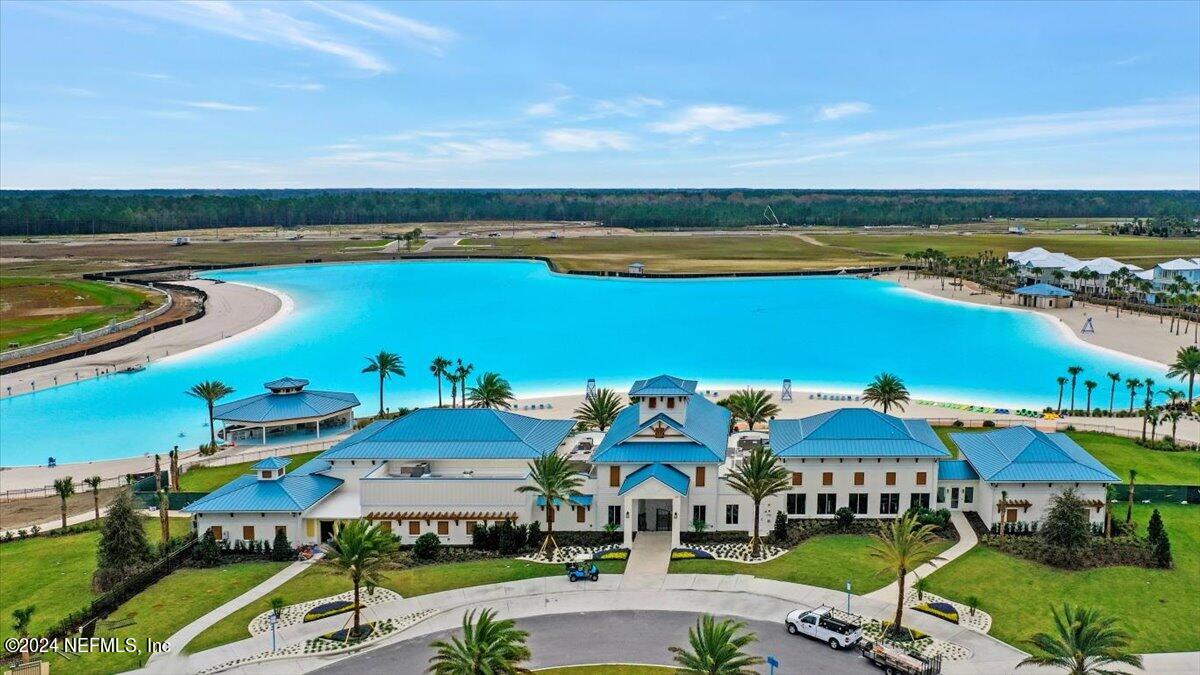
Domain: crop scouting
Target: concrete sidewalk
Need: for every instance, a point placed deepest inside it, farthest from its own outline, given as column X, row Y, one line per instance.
column 966, row 542
column 649, row 560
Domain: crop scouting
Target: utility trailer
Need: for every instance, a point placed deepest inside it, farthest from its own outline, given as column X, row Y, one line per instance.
column 896, row 661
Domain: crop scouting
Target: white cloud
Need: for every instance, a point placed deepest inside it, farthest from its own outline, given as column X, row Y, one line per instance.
column 542, row 109
column 784, row 161
column 78, row 92
column 631, row 106
column 837, row 111
column 715, row 118
column 575, row 140
column 173, row 114
column 153, row 76
column 298, row 86
column 415, row 33
column 220, row 105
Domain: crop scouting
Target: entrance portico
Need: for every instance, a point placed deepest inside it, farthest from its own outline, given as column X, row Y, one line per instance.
column 652, row 499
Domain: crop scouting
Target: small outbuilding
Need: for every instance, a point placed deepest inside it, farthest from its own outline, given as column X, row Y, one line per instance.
column 288, row 412
column 1045, row 296
column 637, row 268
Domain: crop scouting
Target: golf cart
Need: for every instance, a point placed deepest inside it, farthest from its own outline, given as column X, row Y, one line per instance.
column 582, row 568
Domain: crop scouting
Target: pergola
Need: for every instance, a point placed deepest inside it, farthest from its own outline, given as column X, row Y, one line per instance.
column 286, row 405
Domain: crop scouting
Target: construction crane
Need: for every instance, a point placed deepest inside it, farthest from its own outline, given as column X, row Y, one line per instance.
column 769, row 216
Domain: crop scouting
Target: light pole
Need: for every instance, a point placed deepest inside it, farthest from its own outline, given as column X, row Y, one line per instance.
column 848, row 596
column 272, row 619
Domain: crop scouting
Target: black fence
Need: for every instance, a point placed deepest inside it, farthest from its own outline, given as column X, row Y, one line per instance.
column 1159, row 494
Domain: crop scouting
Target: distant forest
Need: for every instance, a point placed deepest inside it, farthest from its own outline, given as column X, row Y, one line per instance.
column 43, row 212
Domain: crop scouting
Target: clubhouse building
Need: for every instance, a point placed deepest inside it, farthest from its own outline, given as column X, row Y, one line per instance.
column 662, row 466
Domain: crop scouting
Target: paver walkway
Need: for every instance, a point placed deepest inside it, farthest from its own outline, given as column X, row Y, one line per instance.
column 966, row 542
column 648, row 561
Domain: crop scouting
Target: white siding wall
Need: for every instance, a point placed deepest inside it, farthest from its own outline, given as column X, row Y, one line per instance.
column 1039, row 495
column 874, row 472
column 264, row 525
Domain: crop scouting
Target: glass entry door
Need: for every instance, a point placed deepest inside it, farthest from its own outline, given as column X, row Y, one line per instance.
column 954, row 498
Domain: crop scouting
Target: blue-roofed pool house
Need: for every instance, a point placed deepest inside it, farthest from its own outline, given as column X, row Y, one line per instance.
column 1046, row 296
column 288, row 412
column 662, row 467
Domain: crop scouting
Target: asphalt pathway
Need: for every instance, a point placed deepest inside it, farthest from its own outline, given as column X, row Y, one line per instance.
column 620, row 636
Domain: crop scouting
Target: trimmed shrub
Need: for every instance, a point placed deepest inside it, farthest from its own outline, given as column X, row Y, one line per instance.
column 1066, row 524
column 1162, row 552
column 282, row 550
column 844, row 517
column 779, row 532
column 426, row 546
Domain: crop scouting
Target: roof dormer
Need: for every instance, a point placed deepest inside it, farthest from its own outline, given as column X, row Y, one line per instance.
column 286, row 385
column 272, row 468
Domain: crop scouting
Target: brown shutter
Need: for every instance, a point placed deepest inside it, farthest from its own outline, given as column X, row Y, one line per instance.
column 920, row 478
column 414, row 527
column 827, row 478
column 614, row 476
column 217, row 532
column 797, row 478
column 860, row 478
column 699, row 476
column 890, row 478
column 248, row 532
column 580, row 514
column 470, row 527
column 385, row 526
column 443, row 527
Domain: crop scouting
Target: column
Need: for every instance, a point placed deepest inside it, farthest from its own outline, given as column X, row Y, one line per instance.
column 675, row 504
column 264, row 434
column 627, row 508
column 318, row 428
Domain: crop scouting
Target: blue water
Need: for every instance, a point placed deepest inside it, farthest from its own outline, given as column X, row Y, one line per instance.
column 550, row 333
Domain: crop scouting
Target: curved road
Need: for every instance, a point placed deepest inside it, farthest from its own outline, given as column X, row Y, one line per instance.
column 607, row 637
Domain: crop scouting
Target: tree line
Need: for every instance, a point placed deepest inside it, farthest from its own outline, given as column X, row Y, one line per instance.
column 47, row 212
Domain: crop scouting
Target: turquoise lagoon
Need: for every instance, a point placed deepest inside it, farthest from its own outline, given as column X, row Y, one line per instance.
column 548, row 332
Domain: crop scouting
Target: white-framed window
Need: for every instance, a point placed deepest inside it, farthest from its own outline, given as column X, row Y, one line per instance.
column 731, row 514
column 699, row 513
column 968, row 495
column 614, row 514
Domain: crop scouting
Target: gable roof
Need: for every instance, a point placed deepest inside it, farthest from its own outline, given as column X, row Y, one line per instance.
column 1180, row 265
column 273, row 407
column 455, row 433
column 1044, row 290
column 705, row 429
column 291, row 493
column 1025, row 454
column 855, row 432
column 663, row 385
column 663, row 473
column 1102, row 266
column 271, row 463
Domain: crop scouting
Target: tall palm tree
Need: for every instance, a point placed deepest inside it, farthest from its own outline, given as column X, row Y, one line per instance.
column 386, row 364
column 1174, row 415
column 1132, row 484
column 752, row 406
column 491, row 391
column 900, row 547
column 94, row 483
column 64, row 487
column 1112, row 394
column 210, row 391
column 164, row 515
column 760, row 475
column 888, row 391
column 600, row 410
column 1000, row 506
column 440, row 367
column 1089, row 385
column 462, row 372
column 1062, row 382
column 360, row 549
column 1074, row 372
column 1186, row 366
column 553, row 478
column 1132, row 384
column 717, row 649
column 21, row 618
column 487, row 647
column 1084, row 642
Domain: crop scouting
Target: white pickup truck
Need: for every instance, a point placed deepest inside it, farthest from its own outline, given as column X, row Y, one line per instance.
column 837, row 629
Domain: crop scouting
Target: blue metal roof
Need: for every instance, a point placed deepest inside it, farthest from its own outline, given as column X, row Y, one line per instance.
column 663, row 473
column 282, row 407
column 705, row 428
column 582, row 500
column 291, row 493
column 956, row 469
column 663, row 385
column 1024, row 454
column 455, row 433
column 271, row 463
column 286, row 383
column 1044, row 290
column 855, row 432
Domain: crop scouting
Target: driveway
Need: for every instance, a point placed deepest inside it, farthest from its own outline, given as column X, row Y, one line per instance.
column 606, row 637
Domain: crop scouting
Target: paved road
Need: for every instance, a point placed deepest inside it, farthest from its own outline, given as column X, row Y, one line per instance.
column 605, row 637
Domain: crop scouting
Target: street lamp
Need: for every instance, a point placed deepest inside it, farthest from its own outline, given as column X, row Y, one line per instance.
column 848, row 596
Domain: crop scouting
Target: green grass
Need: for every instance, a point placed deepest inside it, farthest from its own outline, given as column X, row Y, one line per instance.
column 38, row 309
column 320, row 582
column 826, row 561
column 162, row 609
column 1145, row 251
column 607, row 669
column 209, row 478
column 54, row 574
column 1158, row 607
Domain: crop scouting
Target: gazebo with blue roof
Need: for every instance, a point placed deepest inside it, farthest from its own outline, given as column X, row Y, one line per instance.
column 1045, row 295
column 287, row 412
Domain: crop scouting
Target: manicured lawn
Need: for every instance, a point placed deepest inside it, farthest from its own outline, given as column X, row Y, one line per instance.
column 320, row 582
column 1154, row 467
column 38, row 309
column 209, row 478
column 54, row 574
column 1144, row 251
column 826, row 561
column 608, row 669
column 1159, row 607
column 167, row 606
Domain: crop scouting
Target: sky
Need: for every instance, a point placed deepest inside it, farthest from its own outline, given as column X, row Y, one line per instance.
column 357, row 94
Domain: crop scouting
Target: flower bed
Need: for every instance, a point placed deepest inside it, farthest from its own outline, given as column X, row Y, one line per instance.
column 348, row 636
column 1098, row 552
column 292, row 615
column 917, row 643
column 975, row 619
column 941, row 610
column 690, row 553
column 328, row 609
column 734, row 552
column 565, row 554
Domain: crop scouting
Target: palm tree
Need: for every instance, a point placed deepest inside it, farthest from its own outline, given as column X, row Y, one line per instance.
column 1132, row 484
column 1186, row 366
column 440, row 367
column 1153, row 416
column 900, row 547
column 554, row 479
column 1112, row 394
column 462, row 372
column 1132, row 384
column 94, row 483
column 360, row 550
column 491, row 391
column 1074, row 372
column 1062, row 382
column 64, row 488
column 888, row 391
column 164, row 515
column 760, row 475
column 210, row 391
column 1174, row 415
column 1089, row 385
column 1000, row 506
column 386, row 364
column 600, row 410
column 487, row 647
column 21, row 618
column 717, row 648
column 752, row 406
column 1083, row 643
